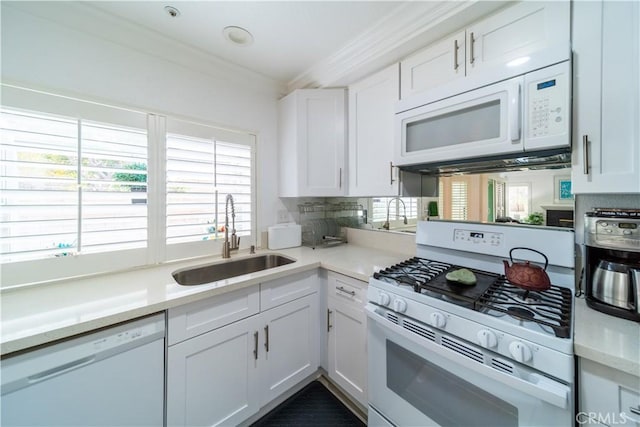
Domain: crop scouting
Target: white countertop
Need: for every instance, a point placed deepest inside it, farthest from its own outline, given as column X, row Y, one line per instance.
column 607, row 340
column 41, row 314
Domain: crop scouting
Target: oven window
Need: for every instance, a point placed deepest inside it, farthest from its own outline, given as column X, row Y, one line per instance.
column 445, row 398
column 477, row 123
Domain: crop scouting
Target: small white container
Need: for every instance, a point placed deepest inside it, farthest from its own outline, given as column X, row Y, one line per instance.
column 283, row 236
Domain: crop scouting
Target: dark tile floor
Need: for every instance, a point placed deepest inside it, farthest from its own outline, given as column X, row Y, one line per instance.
column 314, row 405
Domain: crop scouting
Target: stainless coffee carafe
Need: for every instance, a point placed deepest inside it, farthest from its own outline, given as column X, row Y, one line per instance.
column 612, row 264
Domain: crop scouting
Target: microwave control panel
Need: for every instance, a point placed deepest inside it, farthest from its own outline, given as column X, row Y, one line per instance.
column 548, row 109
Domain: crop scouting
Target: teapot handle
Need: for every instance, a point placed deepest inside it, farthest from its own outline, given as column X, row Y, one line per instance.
column 546, row 260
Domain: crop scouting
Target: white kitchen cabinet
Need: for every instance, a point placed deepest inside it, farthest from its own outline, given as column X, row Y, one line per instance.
column 347, row 335
column 312, row 143
column 441, row 62
column 290, row 343
column 514, row 40
column 606, row 109
column 371, row 133
column 227, row 360
column 607, row 396
column 212, row 378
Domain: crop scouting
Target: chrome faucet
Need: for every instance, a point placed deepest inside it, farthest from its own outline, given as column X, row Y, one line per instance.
column 404, row 207
column 234, row 244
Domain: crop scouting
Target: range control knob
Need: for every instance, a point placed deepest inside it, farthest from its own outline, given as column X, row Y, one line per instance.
column 399, row 305
column 384, row 299
column 487, row 338
column 520, row 351
column 438, row 320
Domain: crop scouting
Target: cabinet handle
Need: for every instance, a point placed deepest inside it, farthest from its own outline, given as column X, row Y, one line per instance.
column 266, row 339
column 329, row 319
column 634, row 410
column 391, row 172
column 455, row 56
column 342, row 289
column 585, row 154
column 471, row 40
column 255, row 345
column 340, row 178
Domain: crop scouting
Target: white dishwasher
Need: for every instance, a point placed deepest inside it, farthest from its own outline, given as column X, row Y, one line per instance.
column 113, row 377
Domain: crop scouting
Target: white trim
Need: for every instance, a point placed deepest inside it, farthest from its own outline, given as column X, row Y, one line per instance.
column 396, row 35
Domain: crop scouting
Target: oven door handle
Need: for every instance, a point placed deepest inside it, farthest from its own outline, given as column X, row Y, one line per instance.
column 536, row 385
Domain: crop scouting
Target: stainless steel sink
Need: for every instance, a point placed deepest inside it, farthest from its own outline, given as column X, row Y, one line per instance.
column 226, row 269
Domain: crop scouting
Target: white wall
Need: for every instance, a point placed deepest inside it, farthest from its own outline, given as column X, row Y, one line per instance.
column 70, row 51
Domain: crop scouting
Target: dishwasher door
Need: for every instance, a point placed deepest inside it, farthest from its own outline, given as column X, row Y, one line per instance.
column 114, row 377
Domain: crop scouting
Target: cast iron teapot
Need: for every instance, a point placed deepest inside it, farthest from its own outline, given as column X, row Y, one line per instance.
column 526, row 275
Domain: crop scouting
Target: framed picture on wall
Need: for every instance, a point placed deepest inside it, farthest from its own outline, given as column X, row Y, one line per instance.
column 562, row 189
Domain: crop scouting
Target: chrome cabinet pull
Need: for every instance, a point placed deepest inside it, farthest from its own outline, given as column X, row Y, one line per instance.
column 471, row 40
column 634, row 410
column 266, row 339
column 342, row 289
column 455, row 56
column 340, row 184
column 329, row 325
column 255, row 345
column 391, row 172
column 585, row 154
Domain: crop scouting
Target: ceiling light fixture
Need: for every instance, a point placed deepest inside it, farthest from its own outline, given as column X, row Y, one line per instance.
column 238, row 36
column 172, row 11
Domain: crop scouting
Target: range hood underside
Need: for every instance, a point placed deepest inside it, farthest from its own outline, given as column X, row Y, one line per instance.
column 551, row 159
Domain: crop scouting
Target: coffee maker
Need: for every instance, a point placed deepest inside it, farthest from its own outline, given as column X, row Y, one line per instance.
column 612, row 261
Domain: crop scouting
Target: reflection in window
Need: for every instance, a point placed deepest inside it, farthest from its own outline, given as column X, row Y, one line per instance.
column 519, row 198
column 396, row 210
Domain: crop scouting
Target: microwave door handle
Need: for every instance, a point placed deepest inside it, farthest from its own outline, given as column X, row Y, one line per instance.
column 514, row 112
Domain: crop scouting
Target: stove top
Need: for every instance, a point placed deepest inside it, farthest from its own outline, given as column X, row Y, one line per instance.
column 546, row 311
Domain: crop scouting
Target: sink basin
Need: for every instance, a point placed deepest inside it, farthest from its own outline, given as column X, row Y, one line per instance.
column 226, row 269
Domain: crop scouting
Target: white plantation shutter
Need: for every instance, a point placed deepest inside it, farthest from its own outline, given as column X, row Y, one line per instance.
column 191, row 192
column 89, row 188
column 38, row 180
column 204, row 165
column 54, row 205
column 114, row 188
column 233, row 176
column 380, row 204
column 459, row 200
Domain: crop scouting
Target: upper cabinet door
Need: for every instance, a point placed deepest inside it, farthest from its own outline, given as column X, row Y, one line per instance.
column 515, row 40
column 371, row 118
column 312, row 143
column 606, row 110
column 535, row 32
column 439, row 63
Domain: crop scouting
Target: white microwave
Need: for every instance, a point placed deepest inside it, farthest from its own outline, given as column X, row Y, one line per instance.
column 528, row 113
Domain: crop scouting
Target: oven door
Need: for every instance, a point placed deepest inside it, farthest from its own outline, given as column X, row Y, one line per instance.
column 482, row 122
column 414, row 381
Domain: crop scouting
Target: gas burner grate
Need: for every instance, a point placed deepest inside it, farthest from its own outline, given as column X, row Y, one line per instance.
column 550, row 308
column 413, row 272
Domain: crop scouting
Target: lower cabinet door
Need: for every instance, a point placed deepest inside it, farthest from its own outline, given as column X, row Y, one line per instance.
column 348, row 348
column 211, row 378
column 290, row 345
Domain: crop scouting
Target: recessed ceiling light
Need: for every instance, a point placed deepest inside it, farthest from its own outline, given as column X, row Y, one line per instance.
column 238, row 36
column 172, row 11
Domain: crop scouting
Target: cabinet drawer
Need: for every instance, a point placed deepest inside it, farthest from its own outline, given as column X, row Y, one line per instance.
column 280, row 291
column 190, row 320
column 344, row 288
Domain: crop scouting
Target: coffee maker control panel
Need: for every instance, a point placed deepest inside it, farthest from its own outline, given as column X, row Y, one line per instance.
column 613, row 229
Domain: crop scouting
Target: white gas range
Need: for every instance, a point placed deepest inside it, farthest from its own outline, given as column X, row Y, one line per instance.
column 489, row 354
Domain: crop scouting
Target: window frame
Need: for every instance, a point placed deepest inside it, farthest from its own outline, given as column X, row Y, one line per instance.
column 21, row 273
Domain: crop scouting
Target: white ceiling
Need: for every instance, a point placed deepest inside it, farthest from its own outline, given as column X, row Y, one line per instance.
column 289, row 37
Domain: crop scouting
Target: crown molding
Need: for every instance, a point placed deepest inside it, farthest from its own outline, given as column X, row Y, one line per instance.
column 409, row 27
